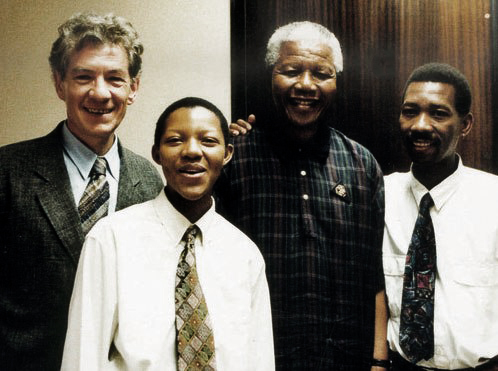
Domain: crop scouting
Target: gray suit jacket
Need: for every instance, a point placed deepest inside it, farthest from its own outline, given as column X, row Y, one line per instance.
column 40, row 243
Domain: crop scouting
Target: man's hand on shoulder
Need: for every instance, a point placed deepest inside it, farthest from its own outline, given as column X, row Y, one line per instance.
column 242, row 127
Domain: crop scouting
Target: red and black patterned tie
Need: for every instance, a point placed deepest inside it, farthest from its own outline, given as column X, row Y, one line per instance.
column 416, row 330
column 94, row 203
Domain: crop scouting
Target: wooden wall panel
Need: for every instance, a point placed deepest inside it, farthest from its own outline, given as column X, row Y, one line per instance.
column 366, row 31
column 455, row 32
column 382, row 40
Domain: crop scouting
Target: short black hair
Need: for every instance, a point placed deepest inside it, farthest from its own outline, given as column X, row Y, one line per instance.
column 444, row 73
column 190, row 102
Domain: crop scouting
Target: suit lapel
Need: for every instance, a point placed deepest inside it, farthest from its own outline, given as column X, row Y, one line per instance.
column 55, row 195
column 128, row 180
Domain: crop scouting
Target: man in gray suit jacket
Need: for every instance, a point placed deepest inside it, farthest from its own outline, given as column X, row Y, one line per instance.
column 96, row 65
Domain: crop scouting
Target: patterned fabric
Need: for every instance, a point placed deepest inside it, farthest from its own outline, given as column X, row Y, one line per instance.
column 416, row 331
column 195, row 336
column 316, row 213
column 94, row 203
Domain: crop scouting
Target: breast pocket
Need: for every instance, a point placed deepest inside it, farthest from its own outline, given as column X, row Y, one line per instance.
column 477, row 289
column 476, row 275
column 394, row 270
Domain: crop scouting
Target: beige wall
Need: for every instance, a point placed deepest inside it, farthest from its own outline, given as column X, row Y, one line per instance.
column 187, row 52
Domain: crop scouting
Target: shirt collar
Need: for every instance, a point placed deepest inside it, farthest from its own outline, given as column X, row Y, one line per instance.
column 440, row 193
column 84, row 158
column 176, row 224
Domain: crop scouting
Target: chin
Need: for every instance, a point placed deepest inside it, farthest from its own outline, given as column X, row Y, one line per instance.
column 303, row 120
column 102, row 128
column 195, row 196
column 422, row 156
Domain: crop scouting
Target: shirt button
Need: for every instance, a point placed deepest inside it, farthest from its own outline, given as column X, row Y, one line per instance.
column 305, row 197
column 303, row 173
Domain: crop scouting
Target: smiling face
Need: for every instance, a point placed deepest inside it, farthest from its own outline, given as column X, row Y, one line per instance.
column 304, row 82
column 430, row 124
column 192, row 152
column 96, row 89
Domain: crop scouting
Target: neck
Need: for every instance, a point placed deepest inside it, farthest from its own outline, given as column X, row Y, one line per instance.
column 100, row 147
column 192, row 210
column 430, row 175
column 301, row 135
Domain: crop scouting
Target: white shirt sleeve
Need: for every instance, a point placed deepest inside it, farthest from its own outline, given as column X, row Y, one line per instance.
column 92, row 313
column 261, row 324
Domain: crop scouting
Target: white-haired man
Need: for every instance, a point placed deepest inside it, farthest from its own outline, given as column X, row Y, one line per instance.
column 313, row 201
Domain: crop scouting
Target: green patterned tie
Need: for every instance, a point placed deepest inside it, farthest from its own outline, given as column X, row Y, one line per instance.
column 195, row 347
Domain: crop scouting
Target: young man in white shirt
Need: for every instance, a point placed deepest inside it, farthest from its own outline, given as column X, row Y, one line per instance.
column 463, row 334
column 123, row 313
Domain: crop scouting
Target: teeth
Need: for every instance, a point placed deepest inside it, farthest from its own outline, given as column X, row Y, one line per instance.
column 191, row 171
column 99, row 111
column 303, row 102
column 422, row 143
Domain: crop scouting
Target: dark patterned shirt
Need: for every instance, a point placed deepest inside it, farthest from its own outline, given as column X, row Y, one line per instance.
column 317, row 215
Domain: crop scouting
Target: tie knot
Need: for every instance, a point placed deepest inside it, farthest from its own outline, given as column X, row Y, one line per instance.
column 99, row 166
column 190, row 234
column 426, row 203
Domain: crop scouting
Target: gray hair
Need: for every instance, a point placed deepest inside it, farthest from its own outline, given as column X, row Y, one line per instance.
column 84, row 29
column 298, row 31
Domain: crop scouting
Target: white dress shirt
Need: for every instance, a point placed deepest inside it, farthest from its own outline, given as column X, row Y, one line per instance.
column 465, row 218
column 79, row 160
column 124, row 293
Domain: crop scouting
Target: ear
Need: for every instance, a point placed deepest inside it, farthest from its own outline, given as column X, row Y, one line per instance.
column 155, row 155
column 59, row 86
column 228, row 154
column 135, row 83
column 467, row 123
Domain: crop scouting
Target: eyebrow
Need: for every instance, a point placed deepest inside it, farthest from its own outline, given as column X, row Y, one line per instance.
column 79, row 70
column 317, row 67
column 89, row 70
column 431, row 105
column 444, row 106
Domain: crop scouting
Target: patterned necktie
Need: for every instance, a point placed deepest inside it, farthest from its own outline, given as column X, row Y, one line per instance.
column 94, row 203
column 416, row 330
column 194, row 333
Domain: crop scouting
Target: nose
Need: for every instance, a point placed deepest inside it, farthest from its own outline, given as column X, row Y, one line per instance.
column 192, row 149
column 306, row 81
column 422, row 122
column 100, row 89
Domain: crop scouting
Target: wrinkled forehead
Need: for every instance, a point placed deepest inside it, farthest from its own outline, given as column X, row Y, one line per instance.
column 312, row 50
column 96, row 46
column 430, row 92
